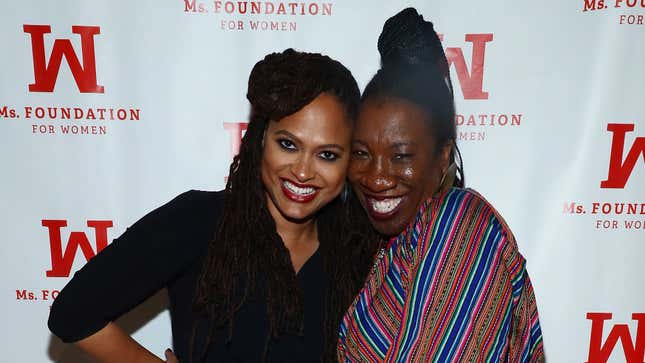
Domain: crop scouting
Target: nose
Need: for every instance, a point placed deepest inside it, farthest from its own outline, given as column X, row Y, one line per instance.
column 302, row 169
column 377, row 177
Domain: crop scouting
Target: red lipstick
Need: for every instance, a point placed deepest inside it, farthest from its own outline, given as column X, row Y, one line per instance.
column 299, row 198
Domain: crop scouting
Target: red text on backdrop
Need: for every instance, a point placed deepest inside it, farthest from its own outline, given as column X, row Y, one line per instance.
column 46, row 73
column 62, row 259
column 617, row 214
column 600, row 352
column 620, row 170
column 81, row 119
column 630, row 18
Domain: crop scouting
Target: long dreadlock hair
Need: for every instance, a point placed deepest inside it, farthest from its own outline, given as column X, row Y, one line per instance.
column 246, row 248
column 414, row 67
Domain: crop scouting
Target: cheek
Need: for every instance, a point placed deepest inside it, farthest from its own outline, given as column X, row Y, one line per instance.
column 270, row 165
column 430, row 178
column 265, row 165
column 354, row 171
column 412, row 175
column 265, row 172
column 274, row 159
column 435, row 170
column 408, row 172
column 267, row 156
column 334, row 174
column 419, row 172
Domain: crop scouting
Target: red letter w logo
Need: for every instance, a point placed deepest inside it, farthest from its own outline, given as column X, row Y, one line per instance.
column 62, row 261
column 472, row 83
column 45, row 74
column 619, row 170
column 599, row 353
column 236, row 131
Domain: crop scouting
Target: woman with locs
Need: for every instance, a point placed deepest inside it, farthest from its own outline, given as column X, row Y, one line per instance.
column 448, row 283
column 261, row 271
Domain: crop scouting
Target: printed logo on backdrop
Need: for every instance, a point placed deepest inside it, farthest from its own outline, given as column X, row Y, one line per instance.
column 627, row 12
column 469, row 69
column 259, row 16
column 48, row 56
column 619, row 342
column 64, row 247
column 467, row 62
column 235, row 132
column 620, row 170
column 626, row 158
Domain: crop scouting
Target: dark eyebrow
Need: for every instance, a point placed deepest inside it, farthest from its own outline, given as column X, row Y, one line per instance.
column 393, row 146
column 294, row 137
column 286, row 133
column 331, row 146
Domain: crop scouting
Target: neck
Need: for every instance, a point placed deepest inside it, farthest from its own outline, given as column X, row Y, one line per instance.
column 294, row 233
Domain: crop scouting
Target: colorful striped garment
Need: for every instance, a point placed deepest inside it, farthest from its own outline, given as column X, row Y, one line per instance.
column 451, row 288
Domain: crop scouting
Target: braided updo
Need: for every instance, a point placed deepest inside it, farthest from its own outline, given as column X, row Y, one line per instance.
column 283, row 83
column 414, row 68
column 246, row 251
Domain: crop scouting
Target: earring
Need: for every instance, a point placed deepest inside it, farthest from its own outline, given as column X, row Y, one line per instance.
column 448, row 178
column 443, row 179
column 264, row 135
column 344, row 194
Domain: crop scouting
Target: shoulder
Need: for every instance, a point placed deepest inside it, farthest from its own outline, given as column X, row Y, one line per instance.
column 465, row 209
column 189, row 213
column 198, row 199
column 466, row 199
column 467, row 205
column 194, row 203
column 476, row 217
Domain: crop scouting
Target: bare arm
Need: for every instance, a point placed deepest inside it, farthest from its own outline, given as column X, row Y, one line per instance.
column 113, row 345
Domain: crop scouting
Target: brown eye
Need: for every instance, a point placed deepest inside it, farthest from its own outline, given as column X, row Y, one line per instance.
column 359, row 154
column 328, row 156
column 287, row 144
column 403, row 157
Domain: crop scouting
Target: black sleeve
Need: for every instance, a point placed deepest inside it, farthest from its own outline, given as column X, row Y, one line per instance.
column 144, row 259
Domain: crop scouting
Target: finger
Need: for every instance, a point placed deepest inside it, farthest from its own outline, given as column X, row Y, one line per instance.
column 170, row 356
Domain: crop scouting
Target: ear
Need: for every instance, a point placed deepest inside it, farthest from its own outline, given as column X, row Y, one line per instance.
column 444, row 156
column 447, row 166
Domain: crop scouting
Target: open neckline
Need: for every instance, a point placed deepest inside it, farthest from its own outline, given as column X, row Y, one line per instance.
column 307, row 262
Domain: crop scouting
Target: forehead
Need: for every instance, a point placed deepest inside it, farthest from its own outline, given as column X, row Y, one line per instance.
column 322, row 120
column 392, row 119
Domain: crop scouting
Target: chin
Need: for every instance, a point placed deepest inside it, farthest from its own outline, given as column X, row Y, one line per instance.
column 388, row 228
column 297, row 212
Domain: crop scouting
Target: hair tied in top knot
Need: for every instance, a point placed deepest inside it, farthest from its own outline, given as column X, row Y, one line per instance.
column 407, row 39
column 283, row 83
column 272, row 81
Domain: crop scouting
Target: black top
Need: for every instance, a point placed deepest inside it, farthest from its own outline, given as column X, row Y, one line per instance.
column 165, row 249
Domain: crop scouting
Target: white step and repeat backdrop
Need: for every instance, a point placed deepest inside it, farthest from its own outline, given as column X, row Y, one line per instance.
column 108, row 109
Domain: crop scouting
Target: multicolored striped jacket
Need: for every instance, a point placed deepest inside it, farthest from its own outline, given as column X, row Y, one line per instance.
column 452, row 287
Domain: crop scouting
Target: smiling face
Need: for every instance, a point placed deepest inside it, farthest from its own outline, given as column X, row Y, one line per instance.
column 395, row 163
column 305, row 158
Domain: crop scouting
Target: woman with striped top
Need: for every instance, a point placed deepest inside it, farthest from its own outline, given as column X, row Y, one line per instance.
column 448, row 284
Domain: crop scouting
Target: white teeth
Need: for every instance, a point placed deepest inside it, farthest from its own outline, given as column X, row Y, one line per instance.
column 386, row 205
column 297, row 190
